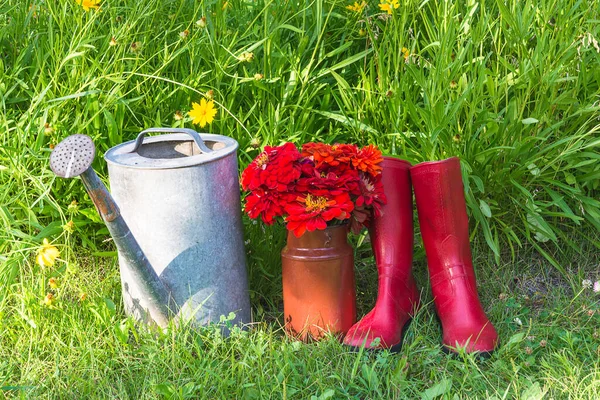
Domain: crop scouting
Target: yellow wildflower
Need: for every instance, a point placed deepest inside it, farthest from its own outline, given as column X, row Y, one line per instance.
column 47, row 254
column 356, row 7
column 89, row 4
column 32, row 8
column 53, row 283
column 389, row 5
column 405, row 53
column 203, row 113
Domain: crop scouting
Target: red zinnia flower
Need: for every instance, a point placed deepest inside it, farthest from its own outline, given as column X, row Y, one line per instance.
column 325, row 155
column 367, row 160
column 266, row 204
column 331, row 183
column 276, row 167
column 368, row 203
column 371, row 194
column 310, row 212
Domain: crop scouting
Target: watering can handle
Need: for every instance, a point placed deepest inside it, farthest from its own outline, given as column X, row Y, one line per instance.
column 140, row 139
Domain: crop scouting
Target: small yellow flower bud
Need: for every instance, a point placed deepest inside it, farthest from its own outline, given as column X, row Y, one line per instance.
column 69, row 227
column 113, row 42
column 258, row 77
column 210, row 94
column 53, row 283
column 48, row 300
column 48, row 129
column 73, row 208
column 246, row 56
column 136, row 47
column 201, row 22
column 178, row 116
column 184, row 34
column 255, row 143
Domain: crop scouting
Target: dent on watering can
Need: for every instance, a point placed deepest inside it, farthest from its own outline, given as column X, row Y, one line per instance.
column 179, row 194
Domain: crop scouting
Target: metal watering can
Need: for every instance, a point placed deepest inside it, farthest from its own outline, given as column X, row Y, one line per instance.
column 177, row 226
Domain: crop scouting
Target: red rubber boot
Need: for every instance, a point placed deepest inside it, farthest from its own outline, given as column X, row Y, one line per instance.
column 440, row 199
column 392, row 242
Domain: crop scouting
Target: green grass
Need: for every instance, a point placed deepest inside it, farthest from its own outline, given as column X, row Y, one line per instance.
column 83, row 349
column 512, row 88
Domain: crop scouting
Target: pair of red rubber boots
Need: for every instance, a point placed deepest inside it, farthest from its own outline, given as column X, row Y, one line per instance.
column 441, row 207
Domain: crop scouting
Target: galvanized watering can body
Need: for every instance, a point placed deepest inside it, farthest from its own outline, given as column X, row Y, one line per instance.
column 179, row 195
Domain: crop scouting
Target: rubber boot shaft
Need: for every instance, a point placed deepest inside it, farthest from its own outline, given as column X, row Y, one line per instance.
column 391, row 237
column 439, row 195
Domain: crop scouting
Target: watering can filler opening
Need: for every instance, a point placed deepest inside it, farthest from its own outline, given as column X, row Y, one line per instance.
column 176, row 221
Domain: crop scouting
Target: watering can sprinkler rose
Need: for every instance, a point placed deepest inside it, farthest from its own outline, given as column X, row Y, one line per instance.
column 177, row 226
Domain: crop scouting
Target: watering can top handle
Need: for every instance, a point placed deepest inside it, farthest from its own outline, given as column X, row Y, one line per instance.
column 140, row 139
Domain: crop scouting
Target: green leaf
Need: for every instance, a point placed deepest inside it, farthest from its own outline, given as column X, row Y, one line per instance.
column 346, row 62
column 485, row 208
column 535, row 171
column 437, row 390
column 347, row 121
column 74, row 96
column 560, row 202
column 516, row 338
column 533, row 392
column 110, row 305
column 478, row 183
column 529, row 121
column 570, row 178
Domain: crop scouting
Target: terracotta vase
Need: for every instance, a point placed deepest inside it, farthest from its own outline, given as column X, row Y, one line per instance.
column 319, row 294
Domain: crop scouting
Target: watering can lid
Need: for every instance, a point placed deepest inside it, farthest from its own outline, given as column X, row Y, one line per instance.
column 181, row 148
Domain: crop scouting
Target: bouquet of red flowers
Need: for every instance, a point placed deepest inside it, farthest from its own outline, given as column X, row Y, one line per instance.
column 324, row 184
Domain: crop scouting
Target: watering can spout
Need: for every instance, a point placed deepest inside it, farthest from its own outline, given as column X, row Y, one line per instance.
column 73, row 157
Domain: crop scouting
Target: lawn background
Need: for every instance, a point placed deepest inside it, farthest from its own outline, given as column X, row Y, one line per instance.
column 512, row 88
